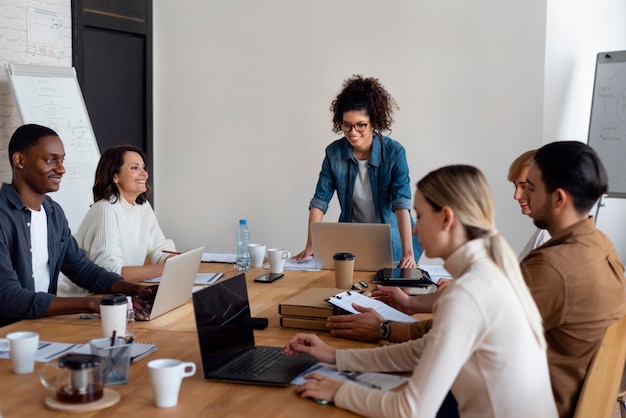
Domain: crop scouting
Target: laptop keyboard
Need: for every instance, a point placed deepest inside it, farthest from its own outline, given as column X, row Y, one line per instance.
column 255, row 362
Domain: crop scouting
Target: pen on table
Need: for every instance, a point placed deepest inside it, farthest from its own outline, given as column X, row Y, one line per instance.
column 172, row 252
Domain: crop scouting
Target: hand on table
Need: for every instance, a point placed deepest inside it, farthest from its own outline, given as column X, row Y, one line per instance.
column 362, row 327
column 393, row 296
column 319, row 387
column 407, row 262
column 312, row 345
column 307, row 252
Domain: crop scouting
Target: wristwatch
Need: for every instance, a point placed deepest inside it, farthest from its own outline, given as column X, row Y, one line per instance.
column 385, row 330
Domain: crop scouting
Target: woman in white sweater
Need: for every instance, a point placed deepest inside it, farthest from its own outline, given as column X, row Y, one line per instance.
column 486, row 344
column 120, row 229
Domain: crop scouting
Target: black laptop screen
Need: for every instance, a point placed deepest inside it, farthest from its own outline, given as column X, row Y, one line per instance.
column 223, row 321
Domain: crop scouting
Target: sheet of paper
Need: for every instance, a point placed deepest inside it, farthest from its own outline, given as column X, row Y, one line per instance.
column 219, row 258
column 201, row 278
column 373, row 380
column 308, row 264
column 46, row 351
column 436, row 272
column 50, row 350
column 345, row 300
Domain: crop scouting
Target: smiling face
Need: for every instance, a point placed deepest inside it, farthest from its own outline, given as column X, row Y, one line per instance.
column 539, row 201
column 132, row 178
column 358, row 119
column 520, row 184
column 41, row 166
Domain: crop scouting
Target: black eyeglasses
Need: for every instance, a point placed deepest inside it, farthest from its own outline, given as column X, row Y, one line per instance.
column 359, row 127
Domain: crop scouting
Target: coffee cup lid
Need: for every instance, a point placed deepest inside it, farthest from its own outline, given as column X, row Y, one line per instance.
column 116, row 299
column 343, row 256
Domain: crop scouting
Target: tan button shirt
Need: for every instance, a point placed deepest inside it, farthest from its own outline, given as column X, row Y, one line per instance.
column 577, row 281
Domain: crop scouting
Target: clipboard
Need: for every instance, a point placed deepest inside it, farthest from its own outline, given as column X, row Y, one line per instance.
column 344, row 300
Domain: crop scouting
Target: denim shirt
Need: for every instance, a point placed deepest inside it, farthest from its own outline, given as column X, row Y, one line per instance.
column 389, row 179
column 18, row 298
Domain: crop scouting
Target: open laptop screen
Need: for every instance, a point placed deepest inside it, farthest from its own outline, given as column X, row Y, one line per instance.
column 223, row 321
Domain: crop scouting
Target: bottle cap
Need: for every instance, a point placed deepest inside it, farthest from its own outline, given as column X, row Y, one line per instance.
column 242, row 221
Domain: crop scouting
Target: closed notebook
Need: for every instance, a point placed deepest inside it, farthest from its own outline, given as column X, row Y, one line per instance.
column 298, row 322
column 311, row 303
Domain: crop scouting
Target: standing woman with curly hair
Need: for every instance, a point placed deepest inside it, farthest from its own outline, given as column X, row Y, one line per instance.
column 369, row 171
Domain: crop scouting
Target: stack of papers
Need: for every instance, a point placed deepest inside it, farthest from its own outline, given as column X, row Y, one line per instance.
column 345, row 300
column 50, row 350
column 308, row 264
column 372, row 380
column 219, row 258
column 201, row 278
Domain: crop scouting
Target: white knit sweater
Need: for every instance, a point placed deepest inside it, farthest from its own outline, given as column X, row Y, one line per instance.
column 119, row 234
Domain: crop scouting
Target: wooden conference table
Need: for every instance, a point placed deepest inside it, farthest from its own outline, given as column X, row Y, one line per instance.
column 175, row 336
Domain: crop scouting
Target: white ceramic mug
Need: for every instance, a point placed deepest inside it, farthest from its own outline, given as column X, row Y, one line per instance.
column 257, row 254
column 277, row 257
column 23, row 347
column 166, row 376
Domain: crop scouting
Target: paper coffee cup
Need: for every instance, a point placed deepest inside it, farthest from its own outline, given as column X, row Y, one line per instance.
column 344, row 270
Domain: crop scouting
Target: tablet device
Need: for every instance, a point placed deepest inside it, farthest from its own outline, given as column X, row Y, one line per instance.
column 403, row 277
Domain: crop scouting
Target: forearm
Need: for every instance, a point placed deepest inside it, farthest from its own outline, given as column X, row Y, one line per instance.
column 421, row 303
column 406, row 331
column 404, row 227
column 63, row 306
column 139, row 273
column 315, row 215
column 126, row 287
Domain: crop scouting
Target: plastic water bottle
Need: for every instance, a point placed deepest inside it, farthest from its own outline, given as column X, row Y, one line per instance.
column 243, row 239
column 130, row 317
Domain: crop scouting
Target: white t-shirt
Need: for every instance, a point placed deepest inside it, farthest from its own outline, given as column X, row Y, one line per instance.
column 538, row 238
column 362, row 201
column 39, row 249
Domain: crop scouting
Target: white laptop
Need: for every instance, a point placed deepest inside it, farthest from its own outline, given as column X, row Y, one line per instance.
column 177, row 280
column 370, row 244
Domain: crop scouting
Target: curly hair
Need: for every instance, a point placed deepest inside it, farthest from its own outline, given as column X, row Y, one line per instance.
column 110, row 163
column 368, row 95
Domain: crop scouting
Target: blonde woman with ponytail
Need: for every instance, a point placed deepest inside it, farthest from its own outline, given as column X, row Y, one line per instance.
column 486, row 344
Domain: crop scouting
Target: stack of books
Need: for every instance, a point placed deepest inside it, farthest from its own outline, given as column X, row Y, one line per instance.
column 309, row 309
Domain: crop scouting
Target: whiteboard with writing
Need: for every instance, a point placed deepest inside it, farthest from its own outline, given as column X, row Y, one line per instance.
column 607, row 126
column 51, row 96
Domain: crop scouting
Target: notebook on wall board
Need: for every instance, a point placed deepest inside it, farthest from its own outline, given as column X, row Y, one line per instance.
column 370, row 244
column 226, row 337
column 177, row 280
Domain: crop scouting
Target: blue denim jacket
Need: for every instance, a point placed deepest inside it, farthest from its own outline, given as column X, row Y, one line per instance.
column 18, row 299
column 389, row 179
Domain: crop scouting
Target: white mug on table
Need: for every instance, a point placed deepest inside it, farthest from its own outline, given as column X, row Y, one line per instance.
column 23, row 347
column 166, row 376
column 277, row 257
column 257, row 254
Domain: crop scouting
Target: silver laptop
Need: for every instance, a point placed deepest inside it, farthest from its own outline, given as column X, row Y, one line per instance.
column 177, row 280
column 370, row 244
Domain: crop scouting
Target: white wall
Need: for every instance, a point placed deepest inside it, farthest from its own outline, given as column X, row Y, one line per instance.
column 576, row 31
column 13, row 44
column 242, row 91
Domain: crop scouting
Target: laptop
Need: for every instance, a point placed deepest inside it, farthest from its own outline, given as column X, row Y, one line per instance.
column 370, row 244
column 177, row 280
column 227, row 347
